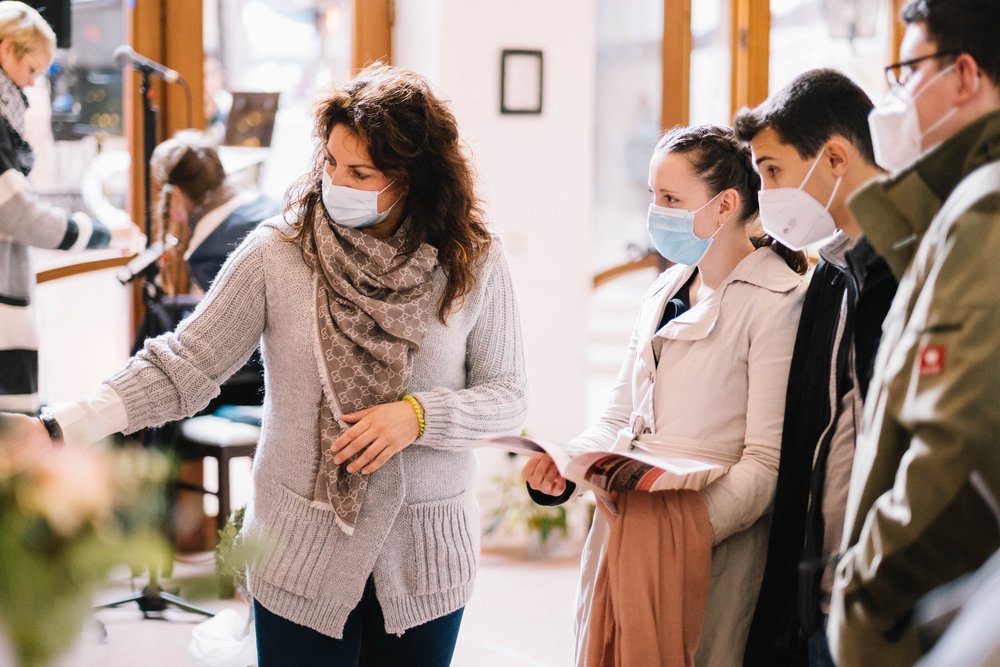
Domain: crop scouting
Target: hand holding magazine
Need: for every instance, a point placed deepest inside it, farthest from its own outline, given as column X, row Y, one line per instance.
column 603, row 472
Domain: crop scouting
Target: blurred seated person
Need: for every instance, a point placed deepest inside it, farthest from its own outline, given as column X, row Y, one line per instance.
column 209, row 217
column 202, row 209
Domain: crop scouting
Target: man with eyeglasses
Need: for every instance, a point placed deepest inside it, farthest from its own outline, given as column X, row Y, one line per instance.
column 922, row 506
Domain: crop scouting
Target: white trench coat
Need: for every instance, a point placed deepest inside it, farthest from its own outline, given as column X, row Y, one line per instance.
column 720, row 382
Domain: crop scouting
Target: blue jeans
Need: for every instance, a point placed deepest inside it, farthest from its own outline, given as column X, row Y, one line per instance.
column 281, row 642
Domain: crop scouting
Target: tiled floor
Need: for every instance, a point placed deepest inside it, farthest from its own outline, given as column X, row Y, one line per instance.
column 520, row 616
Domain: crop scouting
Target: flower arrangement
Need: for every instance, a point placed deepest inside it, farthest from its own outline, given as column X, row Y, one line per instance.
column 68, row 516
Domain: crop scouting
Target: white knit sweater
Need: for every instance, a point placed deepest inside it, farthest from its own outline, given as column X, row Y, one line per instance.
column 418, row 534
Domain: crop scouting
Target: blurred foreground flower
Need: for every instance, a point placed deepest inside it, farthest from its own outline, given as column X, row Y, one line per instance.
column 67, row 517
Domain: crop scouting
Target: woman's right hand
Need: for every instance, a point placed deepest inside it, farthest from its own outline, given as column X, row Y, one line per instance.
column 542, row 475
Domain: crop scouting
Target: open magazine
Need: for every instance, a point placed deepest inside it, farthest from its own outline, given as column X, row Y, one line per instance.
column 602, row 471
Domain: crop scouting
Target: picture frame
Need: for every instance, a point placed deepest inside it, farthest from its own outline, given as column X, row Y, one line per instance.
column 521, row 81
column 251, row 119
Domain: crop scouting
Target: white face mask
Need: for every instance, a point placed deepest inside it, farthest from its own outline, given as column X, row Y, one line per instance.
column 793, row 218
column 350, row 207
column 895, row 126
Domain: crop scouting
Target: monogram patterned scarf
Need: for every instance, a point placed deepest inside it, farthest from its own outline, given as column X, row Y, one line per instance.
column 372, row 308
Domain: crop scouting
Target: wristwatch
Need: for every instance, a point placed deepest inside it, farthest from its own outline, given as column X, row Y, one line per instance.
column 51, row 426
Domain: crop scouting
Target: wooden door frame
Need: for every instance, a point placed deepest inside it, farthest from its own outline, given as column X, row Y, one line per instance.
column 372, row 32
column 169, row 32
column 750, row 28
column 898, row 28
column 750, row 46
column 179, row 48
column 675, row 105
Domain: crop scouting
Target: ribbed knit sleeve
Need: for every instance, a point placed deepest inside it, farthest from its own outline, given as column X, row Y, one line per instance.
column 495, row 397
column 178, row 373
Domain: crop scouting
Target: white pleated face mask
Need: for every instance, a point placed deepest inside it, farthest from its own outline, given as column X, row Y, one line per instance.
column 895, row 126
column 350, row 207
column 793, row 217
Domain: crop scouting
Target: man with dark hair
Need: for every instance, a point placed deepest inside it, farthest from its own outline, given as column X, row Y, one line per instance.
column 812, row 147
column 811, row 109
column 922, row 507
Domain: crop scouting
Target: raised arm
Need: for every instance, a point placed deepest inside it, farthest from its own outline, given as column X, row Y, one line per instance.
column 178, row 373
column 27, row 220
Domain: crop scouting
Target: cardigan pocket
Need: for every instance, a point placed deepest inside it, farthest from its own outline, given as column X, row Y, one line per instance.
column 301, row 542
column 445, row 545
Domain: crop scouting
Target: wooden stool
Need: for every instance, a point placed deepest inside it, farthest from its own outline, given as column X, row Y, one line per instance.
column 222, row 440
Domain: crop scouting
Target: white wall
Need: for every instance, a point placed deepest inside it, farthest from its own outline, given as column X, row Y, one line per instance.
column 535, row 172
column 84, row 327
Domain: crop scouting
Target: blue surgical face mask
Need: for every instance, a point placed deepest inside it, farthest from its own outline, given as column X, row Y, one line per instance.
column 350, row 207
column 672, row 232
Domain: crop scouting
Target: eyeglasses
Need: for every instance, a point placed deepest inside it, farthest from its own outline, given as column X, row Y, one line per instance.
column 897, row 73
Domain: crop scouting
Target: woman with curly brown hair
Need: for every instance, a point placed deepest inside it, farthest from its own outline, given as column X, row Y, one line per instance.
column 390, row 336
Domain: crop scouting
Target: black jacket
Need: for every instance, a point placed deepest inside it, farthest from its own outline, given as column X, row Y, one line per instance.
column 206, row 260
column 788, row 610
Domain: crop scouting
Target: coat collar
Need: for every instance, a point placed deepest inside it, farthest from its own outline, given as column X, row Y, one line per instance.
column 762, row 268
column 895, row 211
column 835, row 251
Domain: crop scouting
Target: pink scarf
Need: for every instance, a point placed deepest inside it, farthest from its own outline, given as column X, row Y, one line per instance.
column 652, row 587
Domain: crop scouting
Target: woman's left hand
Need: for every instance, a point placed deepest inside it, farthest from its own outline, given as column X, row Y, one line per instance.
column 23, row 440
column 379, row 433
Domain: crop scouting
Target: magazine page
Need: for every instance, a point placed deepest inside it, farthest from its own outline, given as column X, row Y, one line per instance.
column 527, row 446
column 618, row 471
column 633, row 471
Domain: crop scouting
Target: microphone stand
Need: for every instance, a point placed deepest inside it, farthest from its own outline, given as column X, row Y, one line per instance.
column 152, row 598
column 151, row 291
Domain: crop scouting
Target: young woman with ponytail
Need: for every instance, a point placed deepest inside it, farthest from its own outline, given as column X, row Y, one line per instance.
column 671, row 578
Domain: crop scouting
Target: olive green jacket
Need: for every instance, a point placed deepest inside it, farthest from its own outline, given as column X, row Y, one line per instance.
column 922, row 506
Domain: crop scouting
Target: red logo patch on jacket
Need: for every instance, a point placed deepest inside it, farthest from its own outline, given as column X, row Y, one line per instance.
column 932, row 360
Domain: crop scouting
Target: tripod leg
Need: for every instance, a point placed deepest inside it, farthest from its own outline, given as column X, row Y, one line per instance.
column 134, row 597
column 181, row 603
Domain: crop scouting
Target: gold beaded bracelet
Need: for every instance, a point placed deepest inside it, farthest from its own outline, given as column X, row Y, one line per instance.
column 418, row 410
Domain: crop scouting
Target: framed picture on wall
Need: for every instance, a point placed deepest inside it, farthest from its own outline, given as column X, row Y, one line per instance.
column 251, row 119
column 521, row 76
